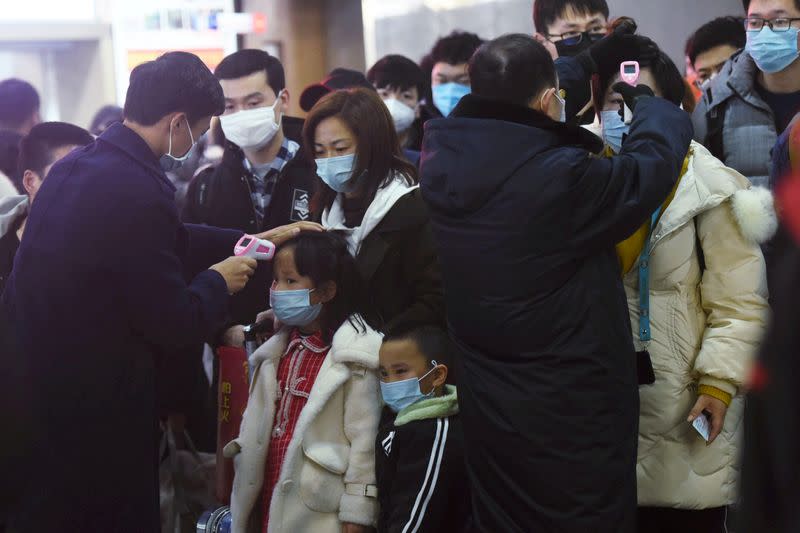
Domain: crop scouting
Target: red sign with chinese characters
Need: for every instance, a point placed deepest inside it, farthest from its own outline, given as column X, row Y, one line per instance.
column 234, row 388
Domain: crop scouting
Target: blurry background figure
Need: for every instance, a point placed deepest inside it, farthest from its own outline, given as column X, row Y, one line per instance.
column 39, row 151
column 770, row 469
column 568, row 27
column 19, row 112
column 339, row 78
column 712, row 45
column 447, row 62
column 105, row 116
column 402, row 85
column 691, row 74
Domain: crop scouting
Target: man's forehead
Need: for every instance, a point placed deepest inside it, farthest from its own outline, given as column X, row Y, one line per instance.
column 572, row 17
column 769, row 8
column 448, row 69
column 246, row 85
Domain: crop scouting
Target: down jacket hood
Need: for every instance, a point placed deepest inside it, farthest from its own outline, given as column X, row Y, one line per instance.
column 499, row 138
column 11, row 209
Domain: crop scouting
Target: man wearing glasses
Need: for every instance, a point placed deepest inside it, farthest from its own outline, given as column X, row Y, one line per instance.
column 757, row 93
column 567, row 27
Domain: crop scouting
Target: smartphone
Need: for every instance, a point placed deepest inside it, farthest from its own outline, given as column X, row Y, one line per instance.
column 702, row 425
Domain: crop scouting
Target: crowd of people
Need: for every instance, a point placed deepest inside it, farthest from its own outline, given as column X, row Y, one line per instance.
column 512, row 290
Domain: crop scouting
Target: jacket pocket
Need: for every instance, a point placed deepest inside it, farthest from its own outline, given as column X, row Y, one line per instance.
column 321, row 486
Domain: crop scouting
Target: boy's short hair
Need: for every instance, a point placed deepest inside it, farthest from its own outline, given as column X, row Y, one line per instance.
column 18, row 102
column 399, row 73
column 36, row 150
column 718, row 32
column 176, row 81
column 545, row 12
column 455, row 49
column 433, row 342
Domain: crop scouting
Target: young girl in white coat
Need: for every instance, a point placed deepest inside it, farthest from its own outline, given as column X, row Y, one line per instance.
column 304, row 458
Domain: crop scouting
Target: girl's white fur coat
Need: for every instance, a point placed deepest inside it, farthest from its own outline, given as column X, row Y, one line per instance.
column 328, row 475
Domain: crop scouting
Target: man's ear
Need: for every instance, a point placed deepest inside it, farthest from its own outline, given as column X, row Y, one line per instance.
column 548, row 44
column 31, row 181
column 327, row 291
column 285, row 101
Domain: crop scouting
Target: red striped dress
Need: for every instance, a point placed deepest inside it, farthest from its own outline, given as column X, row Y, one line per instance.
column 297, row 372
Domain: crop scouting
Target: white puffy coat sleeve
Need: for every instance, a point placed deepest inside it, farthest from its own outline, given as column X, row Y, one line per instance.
column 734, row 298
column 362, row 408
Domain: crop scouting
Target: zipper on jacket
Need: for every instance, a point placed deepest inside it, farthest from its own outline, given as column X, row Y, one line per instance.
column 202, row 198
column 253, row 213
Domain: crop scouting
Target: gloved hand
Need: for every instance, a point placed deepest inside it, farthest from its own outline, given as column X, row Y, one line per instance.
column 605, row 56
column 632, row 95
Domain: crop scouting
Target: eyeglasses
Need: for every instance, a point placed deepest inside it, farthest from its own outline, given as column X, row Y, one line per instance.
column 572, row 38
column 779, row 24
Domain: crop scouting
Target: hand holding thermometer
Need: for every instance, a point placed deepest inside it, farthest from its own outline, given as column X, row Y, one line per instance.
column 629, row 73
column 259, row 249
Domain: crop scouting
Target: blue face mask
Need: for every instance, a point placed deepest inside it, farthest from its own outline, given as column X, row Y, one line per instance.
column 447, row 95
column 337, row 172
column 401, row 394
column 293, row 308
column 170, row 162
column 614, row 129
column 773, row 51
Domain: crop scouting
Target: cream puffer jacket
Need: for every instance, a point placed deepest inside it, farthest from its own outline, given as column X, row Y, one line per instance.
column 708, row 305
column 328, row 475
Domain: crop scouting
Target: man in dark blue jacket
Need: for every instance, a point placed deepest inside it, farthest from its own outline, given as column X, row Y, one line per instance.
column 526, row 218
column 105, row 279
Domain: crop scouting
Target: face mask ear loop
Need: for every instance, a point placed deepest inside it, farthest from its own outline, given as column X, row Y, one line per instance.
column 169, row 152
column 435, row 366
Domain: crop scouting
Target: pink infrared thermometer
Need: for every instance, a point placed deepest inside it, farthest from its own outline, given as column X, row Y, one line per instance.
column 259, row 249
column 629, row 73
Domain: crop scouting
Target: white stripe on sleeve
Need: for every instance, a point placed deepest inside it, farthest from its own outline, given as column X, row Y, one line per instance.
column 431, row 462
column 432, row 488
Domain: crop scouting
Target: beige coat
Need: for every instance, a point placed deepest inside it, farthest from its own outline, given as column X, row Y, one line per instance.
column 328, row 475
column 706, row 326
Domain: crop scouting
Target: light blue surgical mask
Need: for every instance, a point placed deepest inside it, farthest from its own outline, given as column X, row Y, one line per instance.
column 447, row 95
column 171, row 162
column 614, row 129
column 563, row 117
column 773, row 51
column 401, row 394
column 294, row 308
column 337, row 172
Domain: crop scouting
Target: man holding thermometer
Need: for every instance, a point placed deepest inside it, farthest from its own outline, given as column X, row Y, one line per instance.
column 107, row 284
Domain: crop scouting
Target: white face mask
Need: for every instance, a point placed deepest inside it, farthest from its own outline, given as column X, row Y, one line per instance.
column 251, row 128
column 402, row 115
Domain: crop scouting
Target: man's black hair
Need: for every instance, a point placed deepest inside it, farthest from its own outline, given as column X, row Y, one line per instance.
column 718, row 32
column 513, row 68
column 176, row 81
column 398, row 73
column 18, row 102
column 455, row 49
column 670, row 82
column 37, row 149
column 432, row 342
column 746, row 4
column 546, row 12
column 245, row 62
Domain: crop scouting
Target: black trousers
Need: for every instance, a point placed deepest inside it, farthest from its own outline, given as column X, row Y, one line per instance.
column 665, row 520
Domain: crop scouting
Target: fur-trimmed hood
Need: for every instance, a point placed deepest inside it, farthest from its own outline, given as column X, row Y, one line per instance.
column 706, row 184
column 351, row 345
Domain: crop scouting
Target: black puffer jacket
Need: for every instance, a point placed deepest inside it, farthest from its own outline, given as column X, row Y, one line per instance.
column 526, row 220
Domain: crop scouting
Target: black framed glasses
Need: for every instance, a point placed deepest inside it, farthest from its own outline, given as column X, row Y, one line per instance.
column 571, row 38
column 778, row 24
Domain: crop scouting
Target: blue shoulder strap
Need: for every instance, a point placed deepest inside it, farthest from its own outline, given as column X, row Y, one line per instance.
column 644, row 282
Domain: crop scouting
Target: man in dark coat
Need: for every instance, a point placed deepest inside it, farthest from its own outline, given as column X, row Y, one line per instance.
column 526, row 219
column 98, row 290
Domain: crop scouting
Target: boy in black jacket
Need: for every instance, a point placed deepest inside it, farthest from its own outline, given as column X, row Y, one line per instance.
column 422, row 481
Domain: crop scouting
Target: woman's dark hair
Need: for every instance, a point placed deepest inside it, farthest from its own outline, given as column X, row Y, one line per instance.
column 671, row 84
column 378, row 153
column 324, row 257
